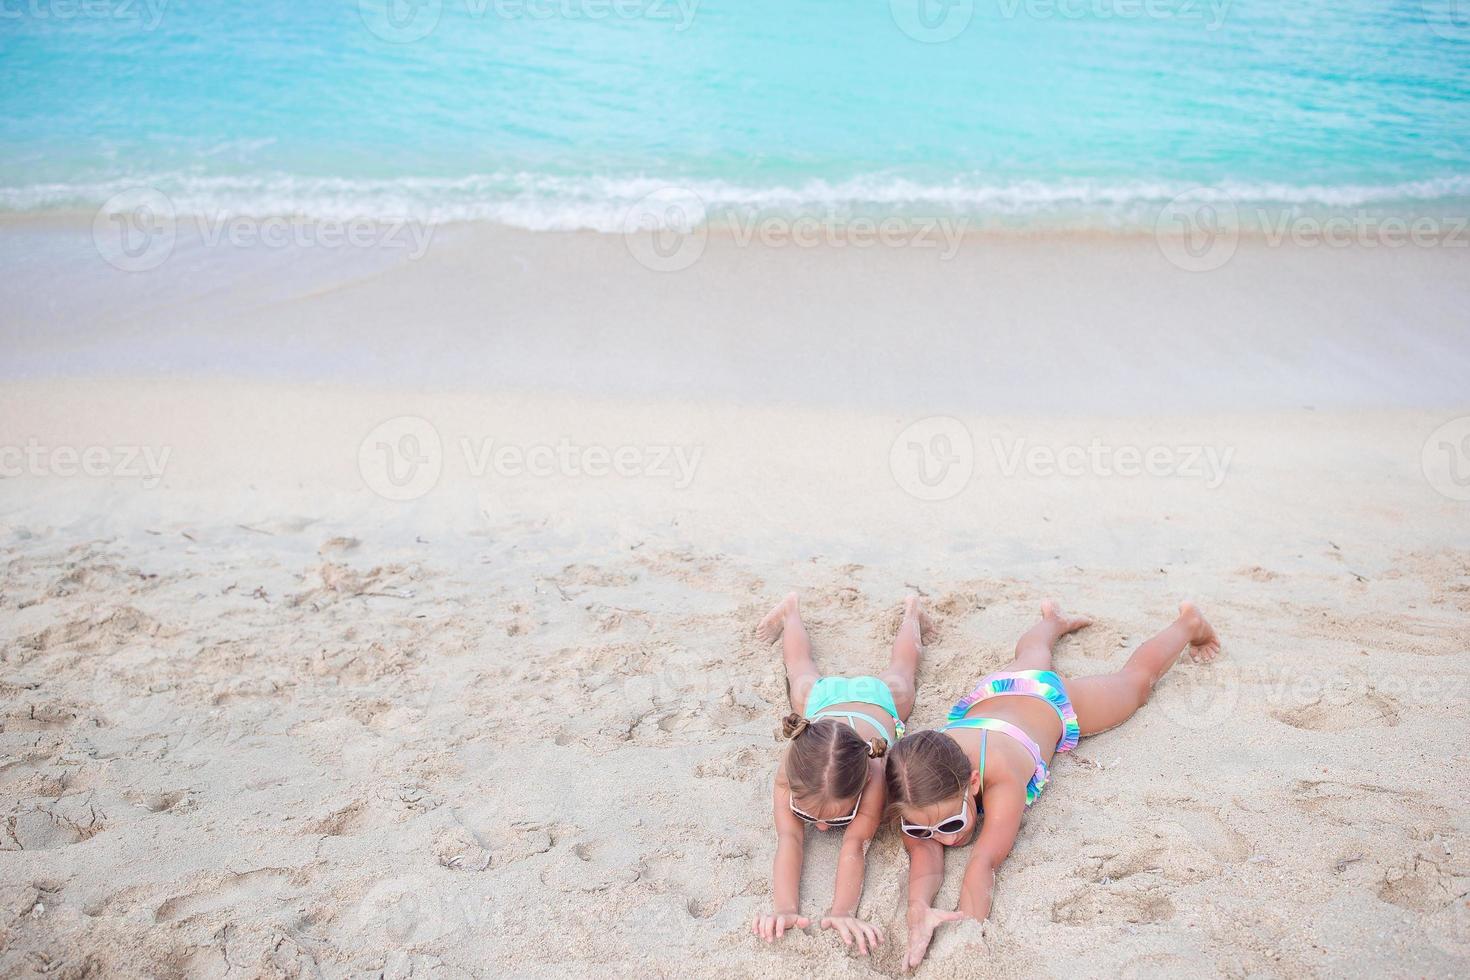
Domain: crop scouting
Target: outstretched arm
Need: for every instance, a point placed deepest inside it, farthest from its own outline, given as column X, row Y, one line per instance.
column 851, row 862
column 1004, row 802
column 785, row 871
column 926, row 874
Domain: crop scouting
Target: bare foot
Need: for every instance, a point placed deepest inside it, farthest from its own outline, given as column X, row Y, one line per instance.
column 771, row 628
column 1052, row 612
column 913, row 607
column 1204, row 645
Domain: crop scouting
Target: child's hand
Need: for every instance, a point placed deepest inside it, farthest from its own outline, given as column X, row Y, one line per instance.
column 922, row 923
column 771, row 926
column 852, row 929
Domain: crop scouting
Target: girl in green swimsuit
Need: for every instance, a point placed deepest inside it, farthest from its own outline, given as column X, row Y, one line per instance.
column 832, row 774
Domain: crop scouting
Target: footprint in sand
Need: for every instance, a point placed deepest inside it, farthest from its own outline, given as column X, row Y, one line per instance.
column 743, row 766
column 1157, row 965
column 1368, row 710
column 38, row 718
column 120, row 626
column 1112, row 906
column 160, row 802
column 1212, row 833
column 1354, row 804
column 1116, row 867
column 354, row 818
column 587, row 867
column 263, row 884
column 1423, row 886
column 45, row 828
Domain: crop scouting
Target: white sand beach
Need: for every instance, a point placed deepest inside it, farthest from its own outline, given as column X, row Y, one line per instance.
column 372, row 617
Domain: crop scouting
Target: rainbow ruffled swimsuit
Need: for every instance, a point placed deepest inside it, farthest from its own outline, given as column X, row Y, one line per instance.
column 1043, row 684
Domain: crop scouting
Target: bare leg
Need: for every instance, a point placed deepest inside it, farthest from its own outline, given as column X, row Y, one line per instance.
column 903, row 664
column 1033, row 649
column 1107, row 700
column 784, row 621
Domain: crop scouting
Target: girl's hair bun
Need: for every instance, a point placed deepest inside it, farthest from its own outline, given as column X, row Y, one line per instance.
column 793, row 725
column 877, row 747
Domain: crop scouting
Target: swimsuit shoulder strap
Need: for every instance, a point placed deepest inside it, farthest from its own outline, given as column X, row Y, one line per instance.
column 996, row 725
column 852, row 718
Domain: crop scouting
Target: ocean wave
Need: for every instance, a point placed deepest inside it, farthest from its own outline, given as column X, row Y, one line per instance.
column 544, row 202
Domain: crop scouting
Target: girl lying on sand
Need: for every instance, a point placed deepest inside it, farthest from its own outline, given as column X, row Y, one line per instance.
column 832, row 773
column 940, row 782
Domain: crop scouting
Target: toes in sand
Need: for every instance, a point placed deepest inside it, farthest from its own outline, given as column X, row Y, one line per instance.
column 1052, row 610
column 774, row 624
column 1204, row 645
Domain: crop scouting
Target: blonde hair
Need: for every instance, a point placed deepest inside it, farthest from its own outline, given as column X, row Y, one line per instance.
column 827, row 760
column 924, row 768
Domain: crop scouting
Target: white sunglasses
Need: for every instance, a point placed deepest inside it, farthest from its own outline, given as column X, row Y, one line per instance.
column 835, row 821
column 952, row 825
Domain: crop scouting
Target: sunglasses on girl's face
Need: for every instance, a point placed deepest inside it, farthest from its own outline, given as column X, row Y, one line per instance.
column 953, row 825
column 835, row 821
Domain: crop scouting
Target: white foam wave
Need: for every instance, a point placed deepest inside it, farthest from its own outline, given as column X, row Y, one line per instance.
column 546, row 202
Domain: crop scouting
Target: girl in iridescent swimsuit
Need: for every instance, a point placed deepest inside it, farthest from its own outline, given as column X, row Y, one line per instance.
column 941, row 782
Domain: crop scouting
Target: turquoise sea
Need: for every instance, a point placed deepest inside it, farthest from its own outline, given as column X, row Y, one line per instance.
column 560, row 113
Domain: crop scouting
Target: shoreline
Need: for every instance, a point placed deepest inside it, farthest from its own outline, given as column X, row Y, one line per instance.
column 1336, row 228
column 1019, row 326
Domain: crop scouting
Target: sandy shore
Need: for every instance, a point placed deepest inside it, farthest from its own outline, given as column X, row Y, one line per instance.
column 288, row 695
column 1026, row 325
